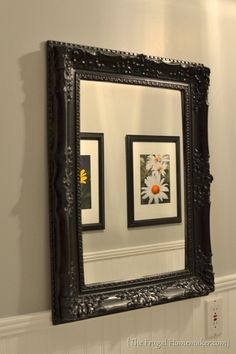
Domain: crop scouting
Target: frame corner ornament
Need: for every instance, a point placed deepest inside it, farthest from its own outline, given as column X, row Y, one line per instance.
column 202, row 178
column 201, row 81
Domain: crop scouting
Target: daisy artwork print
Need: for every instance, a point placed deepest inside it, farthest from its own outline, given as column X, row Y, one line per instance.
column 153, row 180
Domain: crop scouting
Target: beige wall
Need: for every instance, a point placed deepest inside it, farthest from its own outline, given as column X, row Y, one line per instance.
column 197, row 30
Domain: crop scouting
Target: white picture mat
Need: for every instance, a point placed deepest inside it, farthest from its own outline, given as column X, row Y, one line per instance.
column 153, row 211
column 90, row 147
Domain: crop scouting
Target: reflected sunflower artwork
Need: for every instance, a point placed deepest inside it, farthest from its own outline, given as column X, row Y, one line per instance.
column 85, row 182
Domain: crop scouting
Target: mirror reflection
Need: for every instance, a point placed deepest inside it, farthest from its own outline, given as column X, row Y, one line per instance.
column 110, row 112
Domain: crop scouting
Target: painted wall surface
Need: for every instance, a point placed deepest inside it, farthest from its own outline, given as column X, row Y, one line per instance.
column 199, row 30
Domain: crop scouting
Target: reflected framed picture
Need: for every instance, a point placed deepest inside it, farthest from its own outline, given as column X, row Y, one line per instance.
column 92, row 181
column 153, row 180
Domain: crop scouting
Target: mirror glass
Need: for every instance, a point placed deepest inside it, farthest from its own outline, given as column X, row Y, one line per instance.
column 119, row 252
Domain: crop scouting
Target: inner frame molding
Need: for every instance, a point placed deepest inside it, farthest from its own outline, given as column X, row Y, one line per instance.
column 67, row 64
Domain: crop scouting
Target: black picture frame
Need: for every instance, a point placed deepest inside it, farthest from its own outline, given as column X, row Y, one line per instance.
column 100, row 223
column 130, row 140
column 67, row 65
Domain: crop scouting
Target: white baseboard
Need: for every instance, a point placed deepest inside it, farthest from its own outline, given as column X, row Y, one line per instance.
column 12, row 326
column 225, row 282
column 17, row 325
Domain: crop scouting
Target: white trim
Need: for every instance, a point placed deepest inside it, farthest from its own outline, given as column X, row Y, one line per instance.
column 133, row 251
column 225, row 282
column 13, row 326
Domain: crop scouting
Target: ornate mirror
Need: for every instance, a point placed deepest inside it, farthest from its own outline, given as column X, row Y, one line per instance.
column 129, row 181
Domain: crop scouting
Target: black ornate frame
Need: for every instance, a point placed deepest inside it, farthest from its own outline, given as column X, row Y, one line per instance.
column 67, row 64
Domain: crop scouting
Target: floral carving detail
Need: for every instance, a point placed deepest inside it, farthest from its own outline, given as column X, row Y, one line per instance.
column 109, row 61
column 202, row 179
column 204, row 267
column 71, row 291
column 200, row 91
column 78, row 307
column 68, row 181
column 68, row 76
column 71, row 279
column 197, row 286
column 142, row 297
column 88, row 306
column 105, row 60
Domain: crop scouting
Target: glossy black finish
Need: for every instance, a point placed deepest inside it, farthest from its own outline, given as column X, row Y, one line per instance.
column 67, row 64
column 130, row 139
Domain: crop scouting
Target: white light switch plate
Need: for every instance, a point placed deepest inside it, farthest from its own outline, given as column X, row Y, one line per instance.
column 214, row 317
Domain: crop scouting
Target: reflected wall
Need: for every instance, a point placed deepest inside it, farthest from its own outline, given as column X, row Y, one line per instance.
column 118, row 251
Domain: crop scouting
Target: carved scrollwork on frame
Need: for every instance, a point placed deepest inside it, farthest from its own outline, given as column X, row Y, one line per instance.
column 146, row 66
column 86, row 58
column 202, row 179
column 79, row 307
column 68, row 77
column 204, row 266
column 70, row 296
column 72, row 280
column 200, row 88
column 94, row 305
column 68, row 181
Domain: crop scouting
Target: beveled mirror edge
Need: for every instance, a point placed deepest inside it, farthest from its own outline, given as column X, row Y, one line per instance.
column 71, row 300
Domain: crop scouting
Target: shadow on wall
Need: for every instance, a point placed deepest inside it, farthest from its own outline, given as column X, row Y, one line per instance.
column 32, row 207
